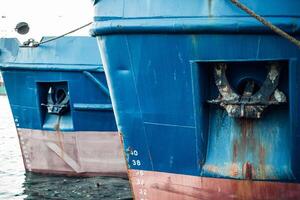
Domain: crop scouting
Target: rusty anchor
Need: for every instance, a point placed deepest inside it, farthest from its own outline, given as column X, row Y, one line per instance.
column 249, row 104
column 58, row 100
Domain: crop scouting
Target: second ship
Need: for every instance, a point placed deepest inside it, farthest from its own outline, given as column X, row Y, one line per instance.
column 61, row 107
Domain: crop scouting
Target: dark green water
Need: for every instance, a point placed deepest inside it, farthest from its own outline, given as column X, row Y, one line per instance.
column 16, row 184
column 58, row 187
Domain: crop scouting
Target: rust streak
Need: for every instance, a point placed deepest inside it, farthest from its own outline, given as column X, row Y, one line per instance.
column 212, row 168
column 262, row 157
column 234, row 169
column 235, row 152
column 246, row 129
column 247, row 141
column 59, row 135
column 247, row 170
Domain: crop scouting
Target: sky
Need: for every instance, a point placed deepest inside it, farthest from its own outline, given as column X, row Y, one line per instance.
column 45, row 18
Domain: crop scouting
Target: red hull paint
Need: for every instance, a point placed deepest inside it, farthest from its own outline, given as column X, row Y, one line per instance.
column 72, row 153
column 149, row 185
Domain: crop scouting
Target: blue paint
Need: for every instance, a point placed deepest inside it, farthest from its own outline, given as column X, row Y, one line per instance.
column 158, row 59
column 95, row 107
column 27, row 71
column 94, row 79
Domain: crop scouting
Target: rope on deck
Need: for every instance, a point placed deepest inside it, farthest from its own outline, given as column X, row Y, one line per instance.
column 36, row 44
column 266, row 23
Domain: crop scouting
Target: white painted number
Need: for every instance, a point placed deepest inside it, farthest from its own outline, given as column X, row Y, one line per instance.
column 134, row 153
column 143, row 192
column 139, row 173
column 136, row 162
column 140, row 182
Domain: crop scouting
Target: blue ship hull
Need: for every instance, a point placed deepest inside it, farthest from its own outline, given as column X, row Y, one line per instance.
column 182, row 138
column 61, row 107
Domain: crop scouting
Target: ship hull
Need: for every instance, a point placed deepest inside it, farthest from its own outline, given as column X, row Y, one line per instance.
column 79, row 153
column 159, row 185
column 186, row 81
column 61, row 108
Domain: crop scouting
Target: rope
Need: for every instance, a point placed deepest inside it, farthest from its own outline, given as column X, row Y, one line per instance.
column 36, row 44
column 267, row 23
column 235, row 2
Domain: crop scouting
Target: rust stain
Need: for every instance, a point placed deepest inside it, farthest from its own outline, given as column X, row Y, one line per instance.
column 247, row 132
column 234, row 170
column 59, row 135
column 262, row 157
column 248, row 146
column 245, row 143
column 248, row 171
column 212, row 168
column 235, row 152
column 244, row 190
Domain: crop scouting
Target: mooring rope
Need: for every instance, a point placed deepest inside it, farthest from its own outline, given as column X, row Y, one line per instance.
column 72, row 31
column 36, row 44
column 267, row 23
column 235, row 2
